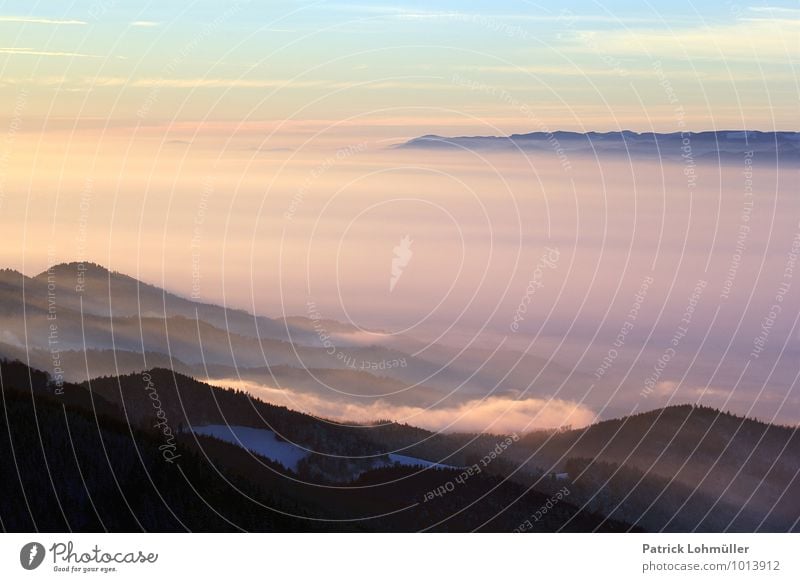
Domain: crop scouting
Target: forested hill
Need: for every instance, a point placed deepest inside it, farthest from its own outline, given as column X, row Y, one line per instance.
column 121, row 452
column 72, row 462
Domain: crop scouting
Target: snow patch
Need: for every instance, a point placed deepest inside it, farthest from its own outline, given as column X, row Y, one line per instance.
column 258, row 440
column 414, row 462
column 267, row 444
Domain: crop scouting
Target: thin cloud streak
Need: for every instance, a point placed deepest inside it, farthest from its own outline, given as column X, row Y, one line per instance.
column 38, row 53
column 32, row 20
column 758, row 39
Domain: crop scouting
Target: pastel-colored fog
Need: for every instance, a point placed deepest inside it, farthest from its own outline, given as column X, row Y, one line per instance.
column 638, row 283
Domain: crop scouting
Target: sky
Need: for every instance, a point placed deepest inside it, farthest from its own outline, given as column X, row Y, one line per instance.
column 398, row 68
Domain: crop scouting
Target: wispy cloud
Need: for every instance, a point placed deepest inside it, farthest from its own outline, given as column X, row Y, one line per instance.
column 63, row 82
column 223, row 83
column 403, row 13
column 776, row 10
column 761, row 39
column 40, row 53
column 593, row 72
column 89, row 82
column 145, row 23
column 212, row 82
column 34, row 20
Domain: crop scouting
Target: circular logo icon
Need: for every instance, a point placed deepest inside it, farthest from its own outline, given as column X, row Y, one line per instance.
column 31, row 555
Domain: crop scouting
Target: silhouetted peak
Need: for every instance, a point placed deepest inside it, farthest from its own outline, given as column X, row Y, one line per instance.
column 75, row 267
column 10, row 275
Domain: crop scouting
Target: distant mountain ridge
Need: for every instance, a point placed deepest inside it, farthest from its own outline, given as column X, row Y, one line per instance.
column 109, row 323
column 704, row 145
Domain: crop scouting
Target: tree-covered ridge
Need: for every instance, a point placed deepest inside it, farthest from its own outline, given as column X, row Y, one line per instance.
column 128, row 438
column 75, row 463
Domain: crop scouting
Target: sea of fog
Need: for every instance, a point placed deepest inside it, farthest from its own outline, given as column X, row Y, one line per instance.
column 649, row 282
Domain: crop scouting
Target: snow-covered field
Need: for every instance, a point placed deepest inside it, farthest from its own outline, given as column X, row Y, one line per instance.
column 266, row 443
column 258, row 440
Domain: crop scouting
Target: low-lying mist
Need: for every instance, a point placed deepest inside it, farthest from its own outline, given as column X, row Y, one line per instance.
column 642, row 283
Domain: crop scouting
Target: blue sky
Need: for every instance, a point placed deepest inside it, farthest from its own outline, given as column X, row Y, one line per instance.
column 580, row 63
